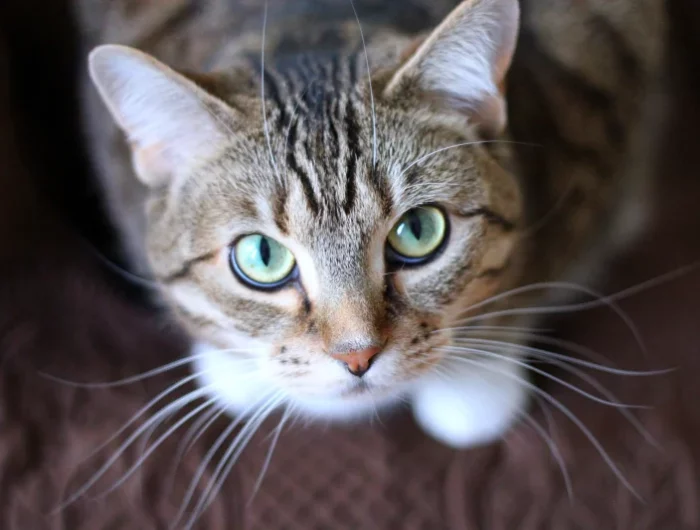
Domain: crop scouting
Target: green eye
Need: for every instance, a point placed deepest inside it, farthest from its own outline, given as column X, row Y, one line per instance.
column 261, row 262
column 418, row 234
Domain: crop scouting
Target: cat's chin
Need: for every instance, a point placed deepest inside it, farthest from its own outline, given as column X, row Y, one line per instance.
column 345, row 408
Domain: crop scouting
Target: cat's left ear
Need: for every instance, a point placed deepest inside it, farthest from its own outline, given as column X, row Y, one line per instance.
column 462, row 65
column 171, row 123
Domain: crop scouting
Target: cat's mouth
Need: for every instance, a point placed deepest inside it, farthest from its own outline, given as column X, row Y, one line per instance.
column 360, row 388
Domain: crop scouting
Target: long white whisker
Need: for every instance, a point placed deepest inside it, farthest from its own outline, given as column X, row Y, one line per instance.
column 535, row 338
column 374, row 406
column 609, row 301
column 558, row 356
column 371, row 90
column 543, row 373
column 266, row 127
column 270, row 451
column 218, row 413
column 179, row 403
column 231, row 456
column 242, row 444
column 264, row 400
column 141, row 412
column 134, row 278
column 509, row 329
column 572, row 417
column 608, row 395
column 157, row 444
column 197, row 429
column 144, row 446
column 144, row 375
column 454, row 146
column 554, row 450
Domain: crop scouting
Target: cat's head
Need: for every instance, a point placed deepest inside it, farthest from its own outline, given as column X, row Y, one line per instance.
column 327, row 235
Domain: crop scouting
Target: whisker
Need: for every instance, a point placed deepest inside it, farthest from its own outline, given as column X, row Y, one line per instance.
column 462, row 144
column 268, row 457
column 130, row 276
column 554, row 450
column 609, row 301
column 266, row 127
column 197, row 429
column 507, row 329
column 231, row 456
column 293, row 115
column 543, row 373
column 572, row 417
column 144, row 447
column 150, row 373
column 374, row 407
column 631, row 418
column 610, row 396
column 126, row 381
column 172, row 388
column 266, row 398
column 552, row 355
column 371, row 90
column 157, row 444
column 536, row 226
column 582, row 306
column 535, row 338
column 177, row 404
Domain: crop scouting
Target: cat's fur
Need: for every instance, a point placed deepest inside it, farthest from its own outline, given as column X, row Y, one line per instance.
column 543, row 201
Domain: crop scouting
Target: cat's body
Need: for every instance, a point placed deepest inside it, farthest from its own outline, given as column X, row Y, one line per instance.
column 333, row 165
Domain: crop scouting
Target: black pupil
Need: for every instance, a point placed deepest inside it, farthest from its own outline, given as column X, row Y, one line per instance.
column 265, row 251
column 415, row 225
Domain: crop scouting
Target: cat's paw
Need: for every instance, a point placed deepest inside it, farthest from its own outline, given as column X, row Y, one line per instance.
column 473, row 406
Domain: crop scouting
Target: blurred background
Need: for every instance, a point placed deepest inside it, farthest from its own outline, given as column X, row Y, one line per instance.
column 64, row 311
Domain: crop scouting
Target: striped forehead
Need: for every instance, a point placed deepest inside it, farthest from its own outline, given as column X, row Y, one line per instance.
column 320, row 117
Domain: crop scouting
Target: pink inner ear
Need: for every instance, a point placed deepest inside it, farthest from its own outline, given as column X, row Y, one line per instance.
column 151, row 164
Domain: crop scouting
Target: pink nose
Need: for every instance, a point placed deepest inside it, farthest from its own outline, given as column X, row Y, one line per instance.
column 358, row 361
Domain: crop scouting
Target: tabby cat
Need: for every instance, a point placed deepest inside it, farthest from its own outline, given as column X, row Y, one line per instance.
column 351, row 206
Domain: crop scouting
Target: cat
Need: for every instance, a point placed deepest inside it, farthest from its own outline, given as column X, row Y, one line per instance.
column 350, row 206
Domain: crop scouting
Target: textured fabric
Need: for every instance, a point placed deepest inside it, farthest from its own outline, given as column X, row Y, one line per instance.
column 63, row 313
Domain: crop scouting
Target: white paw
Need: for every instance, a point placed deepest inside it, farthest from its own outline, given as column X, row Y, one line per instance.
column 473, row 406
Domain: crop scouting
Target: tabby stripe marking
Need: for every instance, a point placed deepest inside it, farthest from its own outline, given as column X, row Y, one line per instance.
column 272, row 90
column 294, row 166
column 490, row 216
column 627, row 60
column 185, row 269
column 353, row 154
column 494, row 271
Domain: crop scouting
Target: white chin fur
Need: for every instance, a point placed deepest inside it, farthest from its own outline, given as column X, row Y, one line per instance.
column 474, row 406
column 239, row 390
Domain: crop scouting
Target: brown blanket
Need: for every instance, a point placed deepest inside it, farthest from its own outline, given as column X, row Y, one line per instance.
column 62, row 312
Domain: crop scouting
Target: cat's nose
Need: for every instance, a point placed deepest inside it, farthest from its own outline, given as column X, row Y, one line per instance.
column 358, row 361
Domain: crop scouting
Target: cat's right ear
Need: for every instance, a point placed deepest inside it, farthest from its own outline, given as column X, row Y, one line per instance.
column 170, row 122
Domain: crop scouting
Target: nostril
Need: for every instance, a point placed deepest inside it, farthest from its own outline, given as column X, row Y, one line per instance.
column 357, row 372
column 358, row 361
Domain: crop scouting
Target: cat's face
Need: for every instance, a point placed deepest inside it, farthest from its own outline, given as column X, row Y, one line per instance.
column 331, row 245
